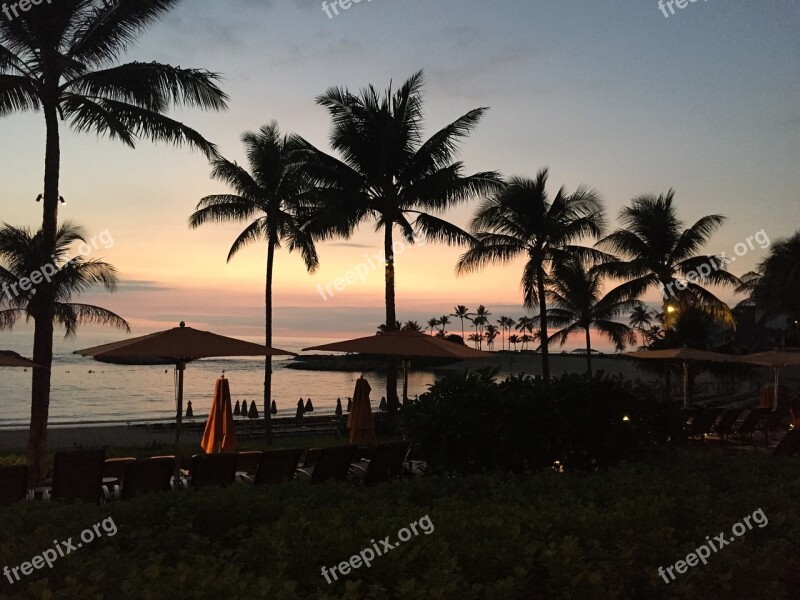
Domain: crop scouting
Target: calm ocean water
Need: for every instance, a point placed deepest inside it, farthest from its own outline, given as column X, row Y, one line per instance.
column 87, row 391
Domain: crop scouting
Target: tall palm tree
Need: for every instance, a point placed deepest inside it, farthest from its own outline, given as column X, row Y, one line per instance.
column 506, row 323
column 577, row 303
column 433, row 324
column 390, row 176
column 513, row 340
column 480, row 320
column 490, row 334
column 641, row 319
column 23, row 254
column 444, row 321
column 412, row 326
column 656, row 251
column 269, row 200
column 63, row 58
column 774, row 286
column 522, row 221
column 526, row 339
column 461, row 312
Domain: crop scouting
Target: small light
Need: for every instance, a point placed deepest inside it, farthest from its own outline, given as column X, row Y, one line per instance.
column 671, row 309
column 626, row 418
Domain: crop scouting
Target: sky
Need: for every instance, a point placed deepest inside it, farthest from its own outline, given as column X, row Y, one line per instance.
column 612, row 95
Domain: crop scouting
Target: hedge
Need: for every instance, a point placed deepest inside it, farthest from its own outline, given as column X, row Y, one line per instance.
column 550, row 535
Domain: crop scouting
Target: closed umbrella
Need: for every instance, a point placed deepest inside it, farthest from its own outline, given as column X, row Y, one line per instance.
column 237, row 410
column 406, row 345
column 253, row 412
column 338, row 410
column 685, row 356
column 220, row 432
column 360, row 421
column 300, row 409
column 309, row 406
column 777, row 359
column 178, row 346
column 274, row 408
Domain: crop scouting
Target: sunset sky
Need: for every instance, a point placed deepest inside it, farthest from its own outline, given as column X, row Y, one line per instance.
column 608, row 94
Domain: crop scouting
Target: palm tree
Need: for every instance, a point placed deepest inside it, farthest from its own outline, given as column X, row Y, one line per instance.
column 476, row 338
column 641, row 318
column 383, row 329
column 461, row 312
column 412, row 326
column 522, row 221
column 268, row 199
column 444, row 321
column 657, row 252
column 491, row 334
column 578, row 304
column 774, row 286
column 25, row 254
column 506, row 323
column 390, row 176
column 514, row 339
column 60, row 58
column 526, row 339
column 433, row 324
column 480, row 320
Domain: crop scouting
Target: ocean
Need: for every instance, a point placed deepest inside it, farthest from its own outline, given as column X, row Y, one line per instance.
column 88, row 392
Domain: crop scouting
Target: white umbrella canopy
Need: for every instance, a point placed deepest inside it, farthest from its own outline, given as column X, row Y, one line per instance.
column 777, row 359
column 684, row 355
column 178, row 346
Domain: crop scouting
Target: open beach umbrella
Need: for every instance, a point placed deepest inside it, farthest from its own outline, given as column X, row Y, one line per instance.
column 177, row 346
column 220, row 432
column 777, row 359
column 685, row 356
column 12, row 359
column 406, row 345
column 360, row 421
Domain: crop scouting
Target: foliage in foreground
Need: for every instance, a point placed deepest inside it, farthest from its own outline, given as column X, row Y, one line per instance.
column 572, row 535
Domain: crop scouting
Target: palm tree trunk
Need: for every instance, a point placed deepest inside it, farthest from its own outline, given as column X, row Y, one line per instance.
column 45, row 309
column 588, row 352
column 391, row 317
column 543, row 320
column 268, row 335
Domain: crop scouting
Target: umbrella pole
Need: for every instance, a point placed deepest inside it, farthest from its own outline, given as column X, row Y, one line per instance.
column 685, row 384
column 777, row 384
column 180, row 367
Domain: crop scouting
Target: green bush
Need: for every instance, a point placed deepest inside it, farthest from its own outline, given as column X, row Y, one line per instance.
column 469, row 423
column 570, row 535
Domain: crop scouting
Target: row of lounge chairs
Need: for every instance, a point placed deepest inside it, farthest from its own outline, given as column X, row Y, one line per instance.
column 732, row 422
column 86, row 475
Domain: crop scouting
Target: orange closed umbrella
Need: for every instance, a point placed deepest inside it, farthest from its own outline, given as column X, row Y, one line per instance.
column 360, row 423
column 220, row 433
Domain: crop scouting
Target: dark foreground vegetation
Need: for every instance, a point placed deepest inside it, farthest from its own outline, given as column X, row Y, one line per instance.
column 549, row 535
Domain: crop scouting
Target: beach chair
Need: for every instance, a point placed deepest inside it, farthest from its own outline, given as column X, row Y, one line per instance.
column 213, row 469
column 247, row 462
column 147, row 476
column 13, row 484
column 277, row 466
column 723, row 426
column 78, row 476
column 311, row 457
column 333, row 464
column 386, row 463
column 747, row 423
column 113, row 474
column 701, row 424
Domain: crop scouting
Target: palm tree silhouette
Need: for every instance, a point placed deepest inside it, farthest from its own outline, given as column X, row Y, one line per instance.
column 476, row 338
column 480, row 320
column 389, row 175
column 577, row 304
column 461, row 312
column 444, row 321
column 23, row 254
column 514, row 339
column 268, row 199
column 522, row 221
column 491, row 334
column 640, row 318
column 506, row 323
column 61, row 59
column 412, row 326
column 657, row 252
column 433, row 324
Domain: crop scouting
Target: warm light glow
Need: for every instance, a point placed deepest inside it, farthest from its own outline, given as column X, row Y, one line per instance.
column 626, row 418
column 671, row 309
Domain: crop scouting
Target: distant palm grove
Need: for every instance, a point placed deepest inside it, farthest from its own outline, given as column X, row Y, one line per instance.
column 578, row 274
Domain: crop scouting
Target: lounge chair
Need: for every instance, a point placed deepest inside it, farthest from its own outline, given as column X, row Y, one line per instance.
column 277, row 466
column 147, row 476
column 78, row 475
column 247, row 462
column 311, row 457
column 700, row 425
column 13, row 484
column 213, row 469
column 333, row 464
column 723, row 426
column 747, row 423
column 386, row 463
